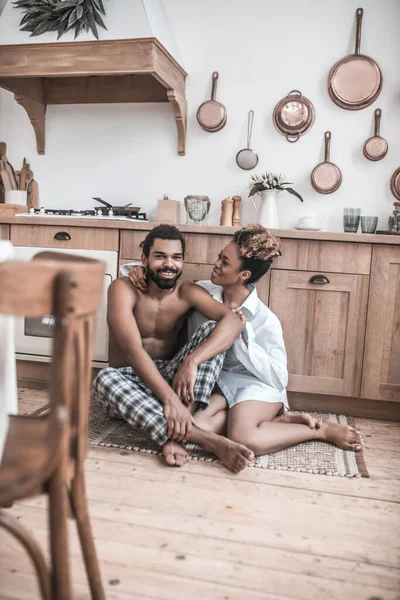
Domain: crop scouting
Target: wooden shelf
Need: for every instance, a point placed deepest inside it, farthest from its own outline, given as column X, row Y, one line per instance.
column 109, row 71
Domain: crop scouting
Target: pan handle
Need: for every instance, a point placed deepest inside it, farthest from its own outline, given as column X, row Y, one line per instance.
column 327, row 146
column 214, row 85
column 359, row 13
column 378, row 114
column 292, row 138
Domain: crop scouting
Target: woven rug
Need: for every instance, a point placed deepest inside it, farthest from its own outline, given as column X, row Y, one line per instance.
column 315, row 457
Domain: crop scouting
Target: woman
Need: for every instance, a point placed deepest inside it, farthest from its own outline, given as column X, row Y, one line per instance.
column 250, row 404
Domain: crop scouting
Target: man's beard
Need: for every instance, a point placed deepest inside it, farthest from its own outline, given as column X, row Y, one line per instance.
column 164, row 284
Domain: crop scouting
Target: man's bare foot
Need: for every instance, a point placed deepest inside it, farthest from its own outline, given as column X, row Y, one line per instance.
column 175, row 454
column 344, row 436
column 232, row 455
column 302, row 418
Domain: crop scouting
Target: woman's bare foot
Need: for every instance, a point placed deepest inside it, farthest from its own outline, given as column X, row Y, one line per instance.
column 175, row 454
column 302, row 418
column 232, row 455
column 344, row 436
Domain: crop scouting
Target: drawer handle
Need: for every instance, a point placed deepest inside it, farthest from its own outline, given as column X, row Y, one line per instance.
column 62, row 236
column 319, row 279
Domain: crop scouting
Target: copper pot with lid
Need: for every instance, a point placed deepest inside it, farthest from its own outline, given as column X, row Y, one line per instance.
column 293, row 116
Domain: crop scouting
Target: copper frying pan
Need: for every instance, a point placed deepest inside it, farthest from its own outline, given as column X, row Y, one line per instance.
column 395, row 184
column 326, row 177
column 376, row 147
column 355, row 81
column 212, row 115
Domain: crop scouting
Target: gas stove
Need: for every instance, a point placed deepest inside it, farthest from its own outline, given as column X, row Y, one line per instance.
column 90, row 214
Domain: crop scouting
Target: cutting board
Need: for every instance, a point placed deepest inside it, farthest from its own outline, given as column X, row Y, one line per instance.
column 10, row 210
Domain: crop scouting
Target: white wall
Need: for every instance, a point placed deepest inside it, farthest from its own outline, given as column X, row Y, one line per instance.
column 262, row 50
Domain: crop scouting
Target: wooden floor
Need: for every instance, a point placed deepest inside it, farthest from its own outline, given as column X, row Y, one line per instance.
column 201, row 533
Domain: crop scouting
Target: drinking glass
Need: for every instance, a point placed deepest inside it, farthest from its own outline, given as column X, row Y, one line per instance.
column 351, row 219
column 369, row 224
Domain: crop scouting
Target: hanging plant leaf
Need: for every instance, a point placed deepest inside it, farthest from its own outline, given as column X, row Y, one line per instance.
column 42, row 16
column 256, row 188
column 291, row 191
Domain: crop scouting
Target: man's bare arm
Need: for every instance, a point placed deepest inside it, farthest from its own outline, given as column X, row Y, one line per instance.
column 228, row 328
column 120, row 318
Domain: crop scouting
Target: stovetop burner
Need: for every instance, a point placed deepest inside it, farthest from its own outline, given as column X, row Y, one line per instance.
column 99, row 212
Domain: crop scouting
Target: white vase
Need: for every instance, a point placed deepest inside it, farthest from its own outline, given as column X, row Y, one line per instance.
column 267, row 210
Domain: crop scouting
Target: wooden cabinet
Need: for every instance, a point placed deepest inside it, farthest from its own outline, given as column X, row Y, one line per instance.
column 381, row 373
column 4, row 232
column 50, row 236
column 323, row 318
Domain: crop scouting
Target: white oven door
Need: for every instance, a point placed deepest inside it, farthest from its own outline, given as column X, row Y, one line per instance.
column 33, row 337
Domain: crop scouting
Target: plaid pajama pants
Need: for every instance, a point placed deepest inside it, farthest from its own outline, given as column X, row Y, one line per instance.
column 122, row 394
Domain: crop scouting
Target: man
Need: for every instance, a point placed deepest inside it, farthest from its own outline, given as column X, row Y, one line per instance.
column 154, row 387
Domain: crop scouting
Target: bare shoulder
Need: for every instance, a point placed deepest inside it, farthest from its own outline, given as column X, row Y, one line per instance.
column 187, row 289
column 121, row 289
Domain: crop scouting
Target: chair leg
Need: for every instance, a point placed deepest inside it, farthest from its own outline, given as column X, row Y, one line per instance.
column 58, row 514
column 81, row 513
column 32, row 548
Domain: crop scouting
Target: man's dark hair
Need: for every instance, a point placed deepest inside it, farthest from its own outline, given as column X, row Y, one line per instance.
column 162, row 232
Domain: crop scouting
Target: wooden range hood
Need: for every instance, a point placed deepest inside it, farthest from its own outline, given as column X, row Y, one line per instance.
column 109, row 71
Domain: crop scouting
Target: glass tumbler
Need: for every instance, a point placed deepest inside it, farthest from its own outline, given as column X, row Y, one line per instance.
column 369, row 224
column 351, row 219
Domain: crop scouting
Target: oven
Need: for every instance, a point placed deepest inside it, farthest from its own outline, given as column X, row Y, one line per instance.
column 33, row 337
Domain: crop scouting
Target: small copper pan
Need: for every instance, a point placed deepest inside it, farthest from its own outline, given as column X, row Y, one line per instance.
column 326, row 177
column 376, row 147
column 212, row 115
column 355, row 81
column 395, row 184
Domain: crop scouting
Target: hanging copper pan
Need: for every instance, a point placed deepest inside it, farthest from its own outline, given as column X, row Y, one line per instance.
column 293, row 116
column 326, row 177
column 376, row 147
column 212, row 115
column 355, row 81
column 395, row 184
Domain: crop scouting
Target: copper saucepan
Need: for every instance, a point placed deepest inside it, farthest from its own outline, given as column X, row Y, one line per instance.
column 293, row 116
column 326, row 177
column 212, row 115
column 395, row 184
column 355, row 81
column 376, row 147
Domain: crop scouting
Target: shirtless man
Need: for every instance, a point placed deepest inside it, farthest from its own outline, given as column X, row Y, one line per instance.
column 154, row 387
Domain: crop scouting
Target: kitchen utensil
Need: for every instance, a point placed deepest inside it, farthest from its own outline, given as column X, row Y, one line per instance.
column 126, row 208
column 22, row 177
column 197, row 208
column 376, row 147
column 326, row 178
column 395, row 184
column 236, row 211
column 226, row 212
column 247, row 159
column 293, row 116
column 7, row 166
column 212, row 115
column 355, row 81
column 33, row 194
column 5, row 178
column 351, row 219
column 369, row 224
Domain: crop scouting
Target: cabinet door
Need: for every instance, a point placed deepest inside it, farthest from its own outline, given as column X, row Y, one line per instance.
column 4, row 232
column 381, row 373
column 323, row 318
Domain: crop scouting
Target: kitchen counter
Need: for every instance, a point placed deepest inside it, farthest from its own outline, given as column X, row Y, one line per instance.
column 108, row 223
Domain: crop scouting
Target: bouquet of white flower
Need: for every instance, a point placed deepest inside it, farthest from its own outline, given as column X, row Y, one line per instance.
column 270, row 181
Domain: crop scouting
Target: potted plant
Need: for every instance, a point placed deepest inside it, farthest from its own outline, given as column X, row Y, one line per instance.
column 268, row 186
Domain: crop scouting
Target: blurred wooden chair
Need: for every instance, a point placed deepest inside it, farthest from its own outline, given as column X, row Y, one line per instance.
column 45, row 455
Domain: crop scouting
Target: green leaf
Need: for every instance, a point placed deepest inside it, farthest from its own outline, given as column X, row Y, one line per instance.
column 291, row 191
column 72, row 17
column 77, row 29
column 100, row 6
column 92, row 24
column 62, row 28
column 79, row 11
column 99, row 20
column 42, row 28
column 256, row 188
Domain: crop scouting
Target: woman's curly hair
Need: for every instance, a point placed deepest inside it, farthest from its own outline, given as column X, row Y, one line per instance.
column 256, row 247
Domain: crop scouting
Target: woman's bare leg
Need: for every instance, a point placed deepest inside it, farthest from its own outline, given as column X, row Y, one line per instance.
column 214, row 418
column 251, row 423
column 287, row 416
